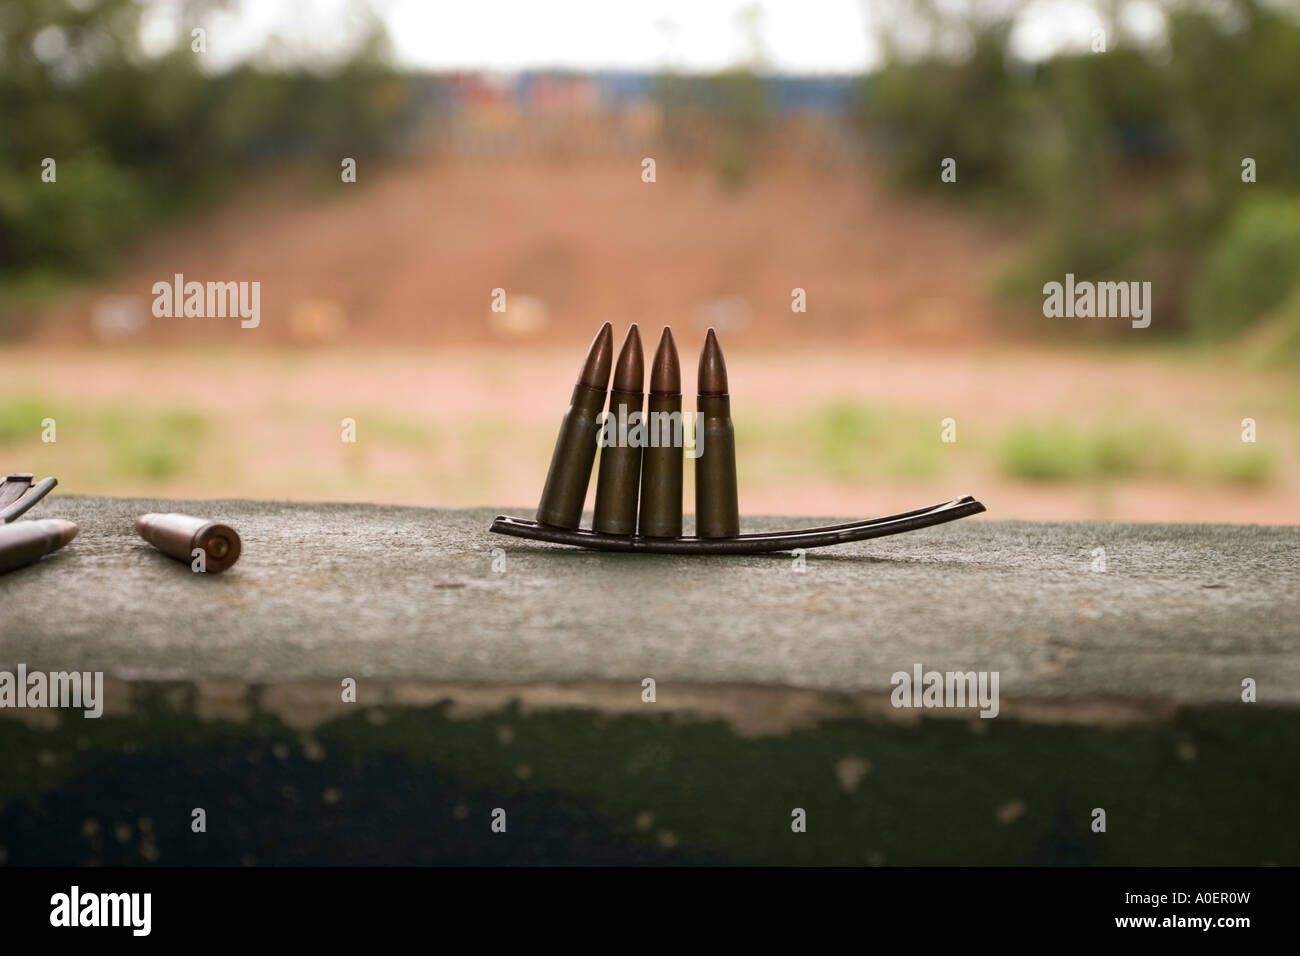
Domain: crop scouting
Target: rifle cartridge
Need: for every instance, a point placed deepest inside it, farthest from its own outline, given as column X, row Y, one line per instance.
column 178, row 535
column 22, row 542
column 717, row 508
column 661, row 460
column 567, row 479
column 620, row 464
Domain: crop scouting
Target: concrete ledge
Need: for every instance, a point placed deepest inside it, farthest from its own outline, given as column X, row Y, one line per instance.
column 1182, row 614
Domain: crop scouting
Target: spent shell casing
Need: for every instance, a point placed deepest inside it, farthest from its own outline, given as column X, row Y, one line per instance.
column 661, row 458
column 22, row 542
column 619, row 477
column 717, row 509
column 565, row 490
column 179, row 535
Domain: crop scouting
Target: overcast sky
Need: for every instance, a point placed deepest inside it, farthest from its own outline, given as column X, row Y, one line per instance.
column 794, row 36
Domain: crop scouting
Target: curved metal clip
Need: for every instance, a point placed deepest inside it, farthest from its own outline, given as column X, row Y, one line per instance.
column 745, row 543
column 17, row 494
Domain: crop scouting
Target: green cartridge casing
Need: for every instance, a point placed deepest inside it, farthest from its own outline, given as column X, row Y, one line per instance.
column 661, row 468
column 717, row 507
column 567, row 479
column 620, row 470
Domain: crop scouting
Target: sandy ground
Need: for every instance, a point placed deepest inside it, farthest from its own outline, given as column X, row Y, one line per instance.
column 474, row 427
column 412, row 254
column 376, row 305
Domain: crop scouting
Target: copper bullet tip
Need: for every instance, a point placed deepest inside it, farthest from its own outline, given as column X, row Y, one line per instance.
column 666, row 373
column 713, row 368
column 600, row 356
column 67, row 530
column 629, row 372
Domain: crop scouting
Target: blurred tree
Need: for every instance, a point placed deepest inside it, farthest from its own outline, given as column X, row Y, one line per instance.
column 136, row 137
column 1129, row 161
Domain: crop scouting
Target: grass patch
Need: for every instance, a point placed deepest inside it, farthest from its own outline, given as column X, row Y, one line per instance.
column 1249, row 465
column 152, row 445
column 1052, row 451
column 394, row 429
column 137, row 444
column 853, row 442
column 1044, row 453
column 841, row 435
column 842, row 440
column 20, row 418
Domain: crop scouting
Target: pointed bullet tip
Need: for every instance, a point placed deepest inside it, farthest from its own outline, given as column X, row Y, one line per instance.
column 629, row 374
column 713, row 368
column 600, row 358
column 666, row 372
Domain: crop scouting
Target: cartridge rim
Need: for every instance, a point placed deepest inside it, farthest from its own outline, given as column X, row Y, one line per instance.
column 221, row 546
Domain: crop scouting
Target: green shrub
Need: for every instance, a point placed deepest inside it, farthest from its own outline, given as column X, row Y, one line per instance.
column 1251, row 269
column 1056, row 452
column 1045, row 453
column 152, row 445
column 1250, row 465
column 86, row 215
column 20, row 419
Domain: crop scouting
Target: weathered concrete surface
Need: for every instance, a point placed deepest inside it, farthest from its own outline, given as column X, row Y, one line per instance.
column 1183, row 613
